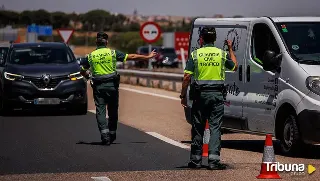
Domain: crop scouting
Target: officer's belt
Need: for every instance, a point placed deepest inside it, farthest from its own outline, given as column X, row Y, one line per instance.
column 215, row 88
column 104, row 78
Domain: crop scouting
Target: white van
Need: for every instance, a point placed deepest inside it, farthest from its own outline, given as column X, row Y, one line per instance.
column 276, row 89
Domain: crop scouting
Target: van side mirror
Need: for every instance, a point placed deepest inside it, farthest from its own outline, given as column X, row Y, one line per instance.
column 271, row 61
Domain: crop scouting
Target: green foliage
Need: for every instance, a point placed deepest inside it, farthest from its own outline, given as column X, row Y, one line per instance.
column 128, row 41
column 94, row 20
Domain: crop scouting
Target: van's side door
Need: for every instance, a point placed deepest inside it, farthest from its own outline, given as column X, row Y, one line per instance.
column 261, row 87
column 237, row 33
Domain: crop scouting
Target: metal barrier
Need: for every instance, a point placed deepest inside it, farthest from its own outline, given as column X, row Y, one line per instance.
column 150, row 76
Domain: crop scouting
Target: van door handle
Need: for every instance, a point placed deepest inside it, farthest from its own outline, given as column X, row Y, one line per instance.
column 240, row 73
column 248, row 73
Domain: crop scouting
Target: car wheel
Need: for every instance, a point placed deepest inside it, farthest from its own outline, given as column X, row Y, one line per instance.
column 5, row 107
column 290, row 141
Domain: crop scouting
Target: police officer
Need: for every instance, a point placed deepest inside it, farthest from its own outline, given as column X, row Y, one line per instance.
column 105, row 84
column 207, row 66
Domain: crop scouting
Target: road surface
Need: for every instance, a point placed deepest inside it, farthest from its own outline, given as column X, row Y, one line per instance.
column 152, row 144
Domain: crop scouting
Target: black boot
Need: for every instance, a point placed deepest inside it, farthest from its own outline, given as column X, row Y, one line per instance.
column 194, row 165
column 217, row 166
column 113, row 137
column 105, row 139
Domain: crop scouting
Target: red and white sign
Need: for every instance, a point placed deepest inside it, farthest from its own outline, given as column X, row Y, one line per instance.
column 150, row 32
column 65, row 34
column 181, row 41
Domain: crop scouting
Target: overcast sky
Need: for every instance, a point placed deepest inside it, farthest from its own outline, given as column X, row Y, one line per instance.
column 176, row 7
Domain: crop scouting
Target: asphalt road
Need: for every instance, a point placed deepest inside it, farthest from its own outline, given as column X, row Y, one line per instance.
column 59, row 144
column 52, row 147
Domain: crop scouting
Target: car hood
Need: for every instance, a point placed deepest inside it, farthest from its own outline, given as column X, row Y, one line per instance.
column 37, row 70
column 312, row 70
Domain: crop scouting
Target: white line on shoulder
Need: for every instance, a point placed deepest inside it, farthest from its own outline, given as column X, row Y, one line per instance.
column 168, row 140
column 101, row 179
column 148, row 93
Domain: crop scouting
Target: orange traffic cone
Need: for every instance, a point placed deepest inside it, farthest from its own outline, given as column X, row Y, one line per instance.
column 268, row 159
column 206, row 138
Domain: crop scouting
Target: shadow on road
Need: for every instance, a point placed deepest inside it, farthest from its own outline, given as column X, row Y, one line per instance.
column 309, row 152
column 99, row 143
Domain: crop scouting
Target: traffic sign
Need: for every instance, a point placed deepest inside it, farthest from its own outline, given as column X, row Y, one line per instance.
column 150, row 32
column 33, row 28
column 65, row 34
column 45, row 30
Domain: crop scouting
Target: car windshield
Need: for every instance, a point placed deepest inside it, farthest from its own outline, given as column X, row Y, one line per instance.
column 40, row 55
column 168, row 51
column 303, row 40
column 3, row 52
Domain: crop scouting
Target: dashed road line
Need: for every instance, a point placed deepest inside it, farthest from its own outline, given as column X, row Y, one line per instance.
column 168, row 140
column 101, row 178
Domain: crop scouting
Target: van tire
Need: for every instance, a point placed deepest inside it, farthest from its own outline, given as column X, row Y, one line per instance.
column 290, row 140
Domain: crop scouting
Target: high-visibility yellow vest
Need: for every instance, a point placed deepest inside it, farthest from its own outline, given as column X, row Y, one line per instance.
column 102, row 61
column 209, row 65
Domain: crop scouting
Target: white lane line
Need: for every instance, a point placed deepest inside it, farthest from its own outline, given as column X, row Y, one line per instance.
column 148, row 93
column 168, row 140
column 161, row 137
column 101, row 179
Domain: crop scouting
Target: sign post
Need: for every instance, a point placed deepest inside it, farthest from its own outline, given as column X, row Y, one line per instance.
column 65, row 34
column 150, row 32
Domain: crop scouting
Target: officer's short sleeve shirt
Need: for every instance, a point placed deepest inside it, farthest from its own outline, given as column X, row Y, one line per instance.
column 229, row 64
column 121, row 57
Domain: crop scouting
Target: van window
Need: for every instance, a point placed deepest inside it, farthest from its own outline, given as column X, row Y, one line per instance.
column 261, row 41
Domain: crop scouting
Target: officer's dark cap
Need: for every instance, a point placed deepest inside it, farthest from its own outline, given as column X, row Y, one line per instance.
column 208, row 31
column 102, row 35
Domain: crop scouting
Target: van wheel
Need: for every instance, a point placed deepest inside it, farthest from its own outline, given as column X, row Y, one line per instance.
column 290, row 141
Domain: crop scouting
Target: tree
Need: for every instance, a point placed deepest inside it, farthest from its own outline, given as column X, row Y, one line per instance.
column 26, row 18
column 98, row 18
column 42, row 17
column 9, row 17
column 60, row 20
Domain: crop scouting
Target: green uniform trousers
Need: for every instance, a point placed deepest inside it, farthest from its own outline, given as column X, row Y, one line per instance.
column 106, row 95
column 209, row 105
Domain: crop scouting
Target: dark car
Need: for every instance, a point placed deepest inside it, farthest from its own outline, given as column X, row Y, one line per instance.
column 42, row 74
column 165, row 57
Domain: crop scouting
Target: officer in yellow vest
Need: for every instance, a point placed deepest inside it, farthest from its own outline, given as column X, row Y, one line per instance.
column 207, row 66
column 105, row 78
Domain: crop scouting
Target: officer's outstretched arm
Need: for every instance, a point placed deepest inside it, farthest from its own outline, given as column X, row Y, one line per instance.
column 141, row 57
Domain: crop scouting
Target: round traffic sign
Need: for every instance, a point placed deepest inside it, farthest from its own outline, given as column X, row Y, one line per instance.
column 150, row 32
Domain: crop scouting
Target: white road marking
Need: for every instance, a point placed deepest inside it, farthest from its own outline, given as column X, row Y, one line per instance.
column 101, row 179
column 149, row 93
column 168, row 140
column 161, row 137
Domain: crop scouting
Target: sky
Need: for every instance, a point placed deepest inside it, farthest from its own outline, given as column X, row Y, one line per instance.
column 175, row 7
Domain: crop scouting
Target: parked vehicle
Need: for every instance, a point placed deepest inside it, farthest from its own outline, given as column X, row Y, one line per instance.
column 166, row 57
column 276, row 89
column 42, row 75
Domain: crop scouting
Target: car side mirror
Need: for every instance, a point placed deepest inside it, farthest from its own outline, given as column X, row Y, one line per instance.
column 1, row 62
column 271, row 61
column 78, row 61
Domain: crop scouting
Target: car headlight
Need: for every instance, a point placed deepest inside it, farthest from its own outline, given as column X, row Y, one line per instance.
column 75, row 76
column 10, row 76
column 313, row 84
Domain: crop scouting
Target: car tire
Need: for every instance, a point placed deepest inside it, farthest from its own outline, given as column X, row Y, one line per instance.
column 5, row 108
column 290, row 140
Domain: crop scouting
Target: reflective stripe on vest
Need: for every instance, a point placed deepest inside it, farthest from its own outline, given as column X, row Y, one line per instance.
column 102, row 61
column 209, row 65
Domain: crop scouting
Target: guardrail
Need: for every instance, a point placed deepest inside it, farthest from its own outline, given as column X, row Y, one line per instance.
column 168, row 81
